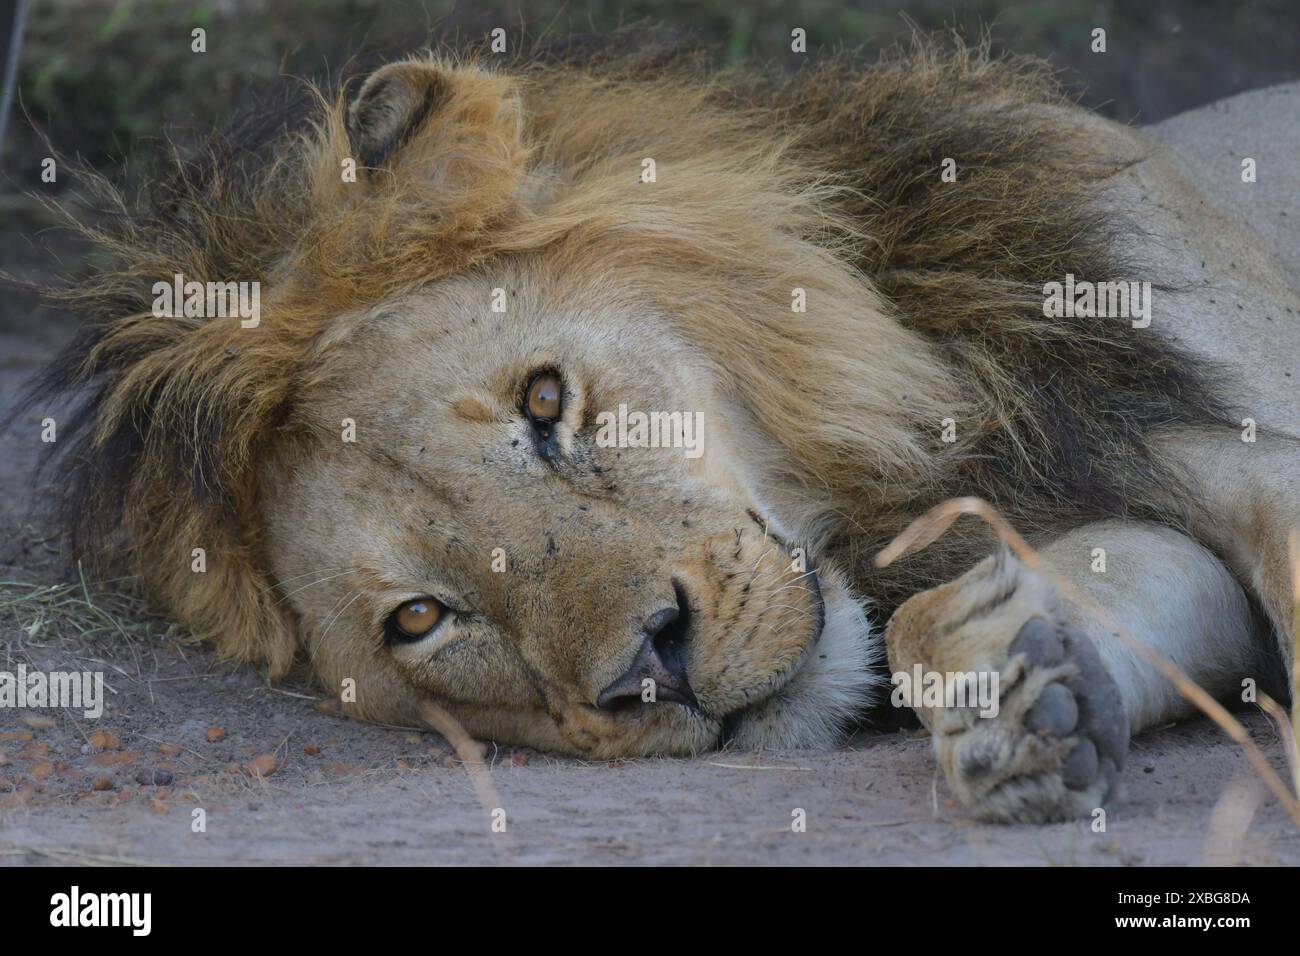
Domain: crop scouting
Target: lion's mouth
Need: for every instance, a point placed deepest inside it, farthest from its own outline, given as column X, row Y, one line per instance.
column 732, row 722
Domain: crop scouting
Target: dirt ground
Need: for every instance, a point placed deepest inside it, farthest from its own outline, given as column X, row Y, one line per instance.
column 124, row 788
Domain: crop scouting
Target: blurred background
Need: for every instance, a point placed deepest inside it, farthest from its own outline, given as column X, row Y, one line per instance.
column 99, row 76
column 112, row 81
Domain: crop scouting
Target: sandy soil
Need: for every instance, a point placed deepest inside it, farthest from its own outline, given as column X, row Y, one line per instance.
column 347, row 792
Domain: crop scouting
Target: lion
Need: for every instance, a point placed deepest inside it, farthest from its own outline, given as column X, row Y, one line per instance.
column 404, row 472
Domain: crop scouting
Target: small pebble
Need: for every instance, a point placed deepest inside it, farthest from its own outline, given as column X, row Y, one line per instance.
column 105, row 740
column 263, row 765
column 330, row 706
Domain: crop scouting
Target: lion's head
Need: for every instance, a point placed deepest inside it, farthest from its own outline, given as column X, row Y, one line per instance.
column 491, row 539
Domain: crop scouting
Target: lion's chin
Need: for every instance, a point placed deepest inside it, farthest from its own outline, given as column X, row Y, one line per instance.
column 837, row 682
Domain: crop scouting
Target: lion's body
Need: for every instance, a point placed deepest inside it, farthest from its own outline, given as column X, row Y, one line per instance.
column 923, row 367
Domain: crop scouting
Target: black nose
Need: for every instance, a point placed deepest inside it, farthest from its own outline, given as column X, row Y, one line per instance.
column 660, row 659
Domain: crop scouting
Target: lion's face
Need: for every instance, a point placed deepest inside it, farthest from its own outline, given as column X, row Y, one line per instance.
column 478, row 544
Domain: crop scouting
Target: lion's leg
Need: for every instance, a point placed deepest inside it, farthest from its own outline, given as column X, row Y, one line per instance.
column 1251, row 505
column 1068, row 692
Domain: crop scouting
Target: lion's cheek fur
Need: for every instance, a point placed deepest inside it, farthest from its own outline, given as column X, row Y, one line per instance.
column 840, row 678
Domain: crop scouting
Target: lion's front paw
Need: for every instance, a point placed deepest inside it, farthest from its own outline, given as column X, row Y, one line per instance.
column 1053, row 745
column 1056, row 747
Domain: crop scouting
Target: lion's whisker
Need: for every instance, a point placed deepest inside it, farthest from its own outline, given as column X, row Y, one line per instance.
column 334, row 620
column 312, row 584
column 306, row 574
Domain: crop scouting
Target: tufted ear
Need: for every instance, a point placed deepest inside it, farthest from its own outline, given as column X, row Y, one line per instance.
column 392, row 106
column 446, row 120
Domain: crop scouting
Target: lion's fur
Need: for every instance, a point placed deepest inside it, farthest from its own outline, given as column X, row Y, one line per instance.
column 764, row 184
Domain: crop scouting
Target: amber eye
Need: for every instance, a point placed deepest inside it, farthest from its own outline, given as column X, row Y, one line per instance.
column 415, row 619
column 544, row 401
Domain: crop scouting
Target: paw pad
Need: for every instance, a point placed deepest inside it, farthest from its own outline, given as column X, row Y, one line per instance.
column 1061, row 750
column 1037, row 640
column 1055, row 712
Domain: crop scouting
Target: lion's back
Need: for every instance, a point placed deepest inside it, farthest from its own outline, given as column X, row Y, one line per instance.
column 1227, row 249
column 1215, row 140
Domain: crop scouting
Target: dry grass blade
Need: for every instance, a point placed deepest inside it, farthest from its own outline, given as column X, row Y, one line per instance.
column 1284, row 729
column 73, row 607
column 931, row 525
column 1225, row 837
column 928, row 528
column 470, row 753
column 1294, row 554
column 70, row 857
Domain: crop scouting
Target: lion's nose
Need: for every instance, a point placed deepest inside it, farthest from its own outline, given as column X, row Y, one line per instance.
column 658, row 672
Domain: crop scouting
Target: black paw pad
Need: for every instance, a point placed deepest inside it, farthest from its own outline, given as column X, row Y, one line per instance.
column 1039, row 643
column 1102, row 717
column 1079, row 768
column 1054, row 713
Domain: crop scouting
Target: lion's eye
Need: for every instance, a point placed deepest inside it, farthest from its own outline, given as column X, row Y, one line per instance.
column 544, row 401
column 415, row 619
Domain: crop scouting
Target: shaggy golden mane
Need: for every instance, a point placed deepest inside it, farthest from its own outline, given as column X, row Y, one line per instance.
column 766, row 182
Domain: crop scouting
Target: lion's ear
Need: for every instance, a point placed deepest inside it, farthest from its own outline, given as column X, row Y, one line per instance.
column 392, row 105
column 445, row 119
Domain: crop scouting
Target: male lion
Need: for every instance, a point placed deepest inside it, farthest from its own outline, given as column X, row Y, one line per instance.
column 397, row 474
